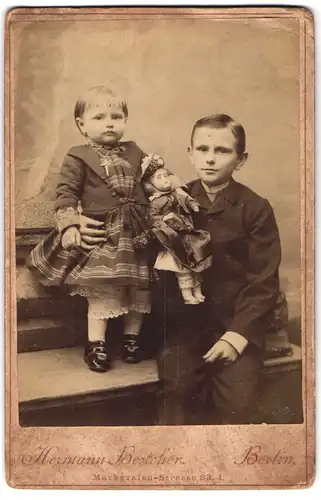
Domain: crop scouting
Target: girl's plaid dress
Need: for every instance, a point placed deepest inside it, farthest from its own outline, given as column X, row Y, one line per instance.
column 106, row 184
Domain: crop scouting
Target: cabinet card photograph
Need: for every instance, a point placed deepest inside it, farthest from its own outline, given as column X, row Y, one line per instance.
column 159, row 248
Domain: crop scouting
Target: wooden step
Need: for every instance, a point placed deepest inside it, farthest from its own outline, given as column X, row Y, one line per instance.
column 57, row 389
column 27, row 239
column 61, row 377
column 49, row 307
column 37, row 301
column 277, row 344
column 279, row 364
column 281, row 400
column 61, row 374
column 47, row 333
column 28, row 287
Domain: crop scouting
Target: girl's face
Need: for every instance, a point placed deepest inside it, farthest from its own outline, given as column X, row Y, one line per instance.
column 104, row 125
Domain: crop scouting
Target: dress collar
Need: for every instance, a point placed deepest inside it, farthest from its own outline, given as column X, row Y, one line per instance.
column 105, row 151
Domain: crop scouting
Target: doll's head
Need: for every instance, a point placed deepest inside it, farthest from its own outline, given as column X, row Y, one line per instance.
column 155, row 176
column 101, row 115
column 160, row 180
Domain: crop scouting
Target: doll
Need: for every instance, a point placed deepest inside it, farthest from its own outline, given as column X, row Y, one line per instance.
column 185, row 250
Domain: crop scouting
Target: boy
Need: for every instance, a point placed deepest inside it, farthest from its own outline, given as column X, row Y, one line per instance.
column 214, row 354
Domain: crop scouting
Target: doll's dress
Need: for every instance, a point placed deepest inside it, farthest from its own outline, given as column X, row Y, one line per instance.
column 184, row 247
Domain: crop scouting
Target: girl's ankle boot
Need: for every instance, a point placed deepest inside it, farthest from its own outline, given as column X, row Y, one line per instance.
column 132, row 350
column 96, row 356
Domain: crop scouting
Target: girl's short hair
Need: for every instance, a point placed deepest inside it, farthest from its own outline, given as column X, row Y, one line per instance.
column 223, row 121
column 97, row 96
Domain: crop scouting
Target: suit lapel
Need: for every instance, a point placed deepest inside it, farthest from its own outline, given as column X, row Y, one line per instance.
column 91, row 159
column 218, row 205
column 198, row 192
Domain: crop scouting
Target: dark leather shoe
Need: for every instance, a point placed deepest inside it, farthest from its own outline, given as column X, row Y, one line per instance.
column 96, row 356
column 132, row 351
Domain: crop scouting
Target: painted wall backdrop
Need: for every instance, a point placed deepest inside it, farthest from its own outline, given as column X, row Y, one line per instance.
column 172, row 73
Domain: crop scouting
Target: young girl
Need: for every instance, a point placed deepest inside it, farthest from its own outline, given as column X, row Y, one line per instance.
column 186, row 251
column 103, row 178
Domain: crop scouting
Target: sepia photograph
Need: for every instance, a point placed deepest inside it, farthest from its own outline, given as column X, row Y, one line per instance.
column 158, row 162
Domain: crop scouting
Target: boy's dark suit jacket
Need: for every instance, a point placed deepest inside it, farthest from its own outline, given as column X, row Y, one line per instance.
column 242, row 285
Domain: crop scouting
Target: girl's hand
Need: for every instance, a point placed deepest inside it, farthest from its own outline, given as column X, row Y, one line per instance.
column 71, row 238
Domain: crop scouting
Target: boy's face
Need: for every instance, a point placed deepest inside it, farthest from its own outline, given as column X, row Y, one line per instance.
column 104, row 125
column 214, row 156
column 161, row 180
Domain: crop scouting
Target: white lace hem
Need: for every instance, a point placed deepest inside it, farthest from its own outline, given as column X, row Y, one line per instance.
column 119, row 312
column 111, row 301
column 109, row 290
column 83, row 292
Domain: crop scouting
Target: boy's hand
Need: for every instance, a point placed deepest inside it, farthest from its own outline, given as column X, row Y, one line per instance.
column 90, row 233
column 70, row 238
column 222, row 351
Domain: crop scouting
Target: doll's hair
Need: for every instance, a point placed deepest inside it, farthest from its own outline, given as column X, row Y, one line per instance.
column 223, row 121
column 98, row 96
column 147, row 180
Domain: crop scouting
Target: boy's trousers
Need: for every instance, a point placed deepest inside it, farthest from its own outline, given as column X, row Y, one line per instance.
column 196, row 392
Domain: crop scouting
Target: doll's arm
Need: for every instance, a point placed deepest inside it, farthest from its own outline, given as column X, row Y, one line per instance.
column 154, row 213
column 190, row 203
column 157, row 218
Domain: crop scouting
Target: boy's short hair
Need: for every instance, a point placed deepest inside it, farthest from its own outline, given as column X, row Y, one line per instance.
column 223, row 121
column 96, row 96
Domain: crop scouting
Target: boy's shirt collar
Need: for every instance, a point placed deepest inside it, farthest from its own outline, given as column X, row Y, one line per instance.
column 214, row 189
column 230, row 193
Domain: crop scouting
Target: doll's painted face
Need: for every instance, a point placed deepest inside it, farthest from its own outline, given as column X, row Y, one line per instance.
column 104, row 125
column 160, row 180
